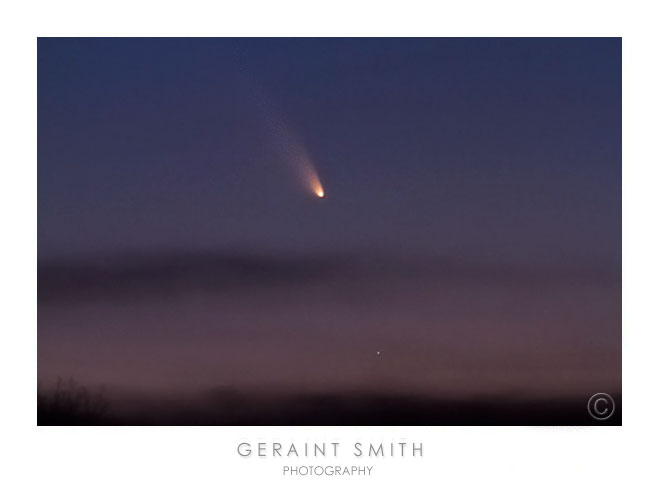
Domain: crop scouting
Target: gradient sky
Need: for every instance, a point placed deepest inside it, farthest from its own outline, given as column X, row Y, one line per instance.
column 505, row 146
column 471, row 229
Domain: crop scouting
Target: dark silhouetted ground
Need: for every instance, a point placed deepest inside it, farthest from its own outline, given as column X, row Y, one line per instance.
column 231, row 407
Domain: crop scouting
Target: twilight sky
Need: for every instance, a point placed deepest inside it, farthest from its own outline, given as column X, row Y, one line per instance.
column 470, row 232
column 505, row 146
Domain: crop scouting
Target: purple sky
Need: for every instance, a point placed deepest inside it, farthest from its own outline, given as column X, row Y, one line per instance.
column 471, row 229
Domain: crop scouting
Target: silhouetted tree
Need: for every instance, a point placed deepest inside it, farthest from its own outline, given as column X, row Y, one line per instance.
column 69, row 404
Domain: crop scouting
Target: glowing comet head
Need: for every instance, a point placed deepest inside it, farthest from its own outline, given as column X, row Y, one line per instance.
column 312, row 179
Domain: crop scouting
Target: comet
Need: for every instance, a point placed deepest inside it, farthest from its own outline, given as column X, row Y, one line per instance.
column 314, row 182
column 290, row 147
column 310, row 178
column 297, row 157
